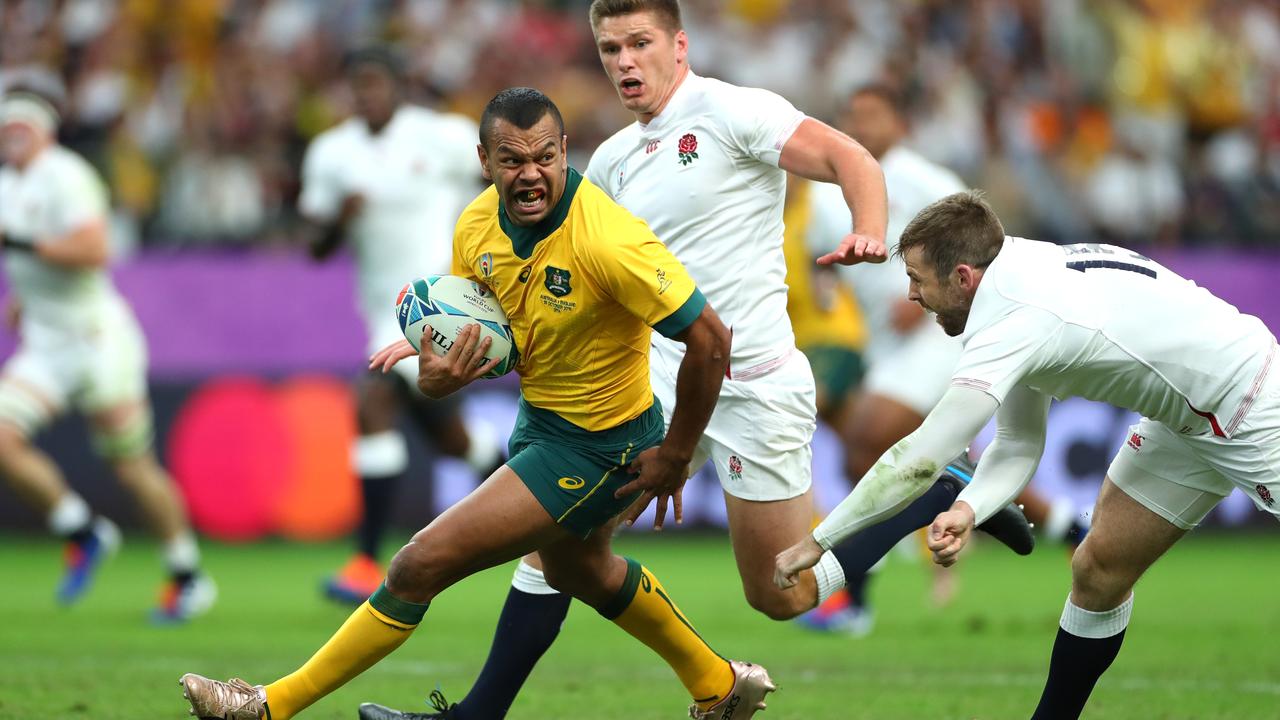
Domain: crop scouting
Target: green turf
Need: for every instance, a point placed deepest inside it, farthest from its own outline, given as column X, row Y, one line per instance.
column 1202, row 643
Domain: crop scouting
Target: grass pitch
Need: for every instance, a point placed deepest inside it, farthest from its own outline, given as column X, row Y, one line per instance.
column 1202, row 643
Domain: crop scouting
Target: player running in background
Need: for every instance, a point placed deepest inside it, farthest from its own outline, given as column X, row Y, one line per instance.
column 1039, row 321
column 79, row 345
column 705, row 165
column 582, row 281
column 391, row 180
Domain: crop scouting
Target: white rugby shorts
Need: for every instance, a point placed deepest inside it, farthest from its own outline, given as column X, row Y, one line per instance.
column 99, row 366
column 1182, row 477
column 759, row 437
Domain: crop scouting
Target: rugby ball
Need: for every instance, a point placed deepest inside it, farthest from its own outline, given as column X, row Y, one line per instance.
column 449, row 303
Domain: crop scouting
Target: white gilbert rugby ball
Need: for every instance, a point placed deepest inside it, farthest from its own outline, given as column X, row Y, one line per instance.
column 449, row 303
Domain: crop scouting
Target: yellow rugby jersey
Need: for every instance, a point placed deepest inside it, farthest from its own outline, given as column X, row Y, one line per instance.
column 582, row 289
column 826, row 316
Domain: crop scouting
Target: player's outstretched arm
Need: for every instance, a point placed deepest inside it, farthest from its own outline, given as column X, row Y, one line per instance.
column 819, row 152
column 901, row 475
column 663, row 470
column 1007, row 466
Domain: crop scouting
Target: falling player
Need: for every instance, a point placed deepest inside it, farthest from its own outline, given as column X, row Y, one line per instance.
column 1039, row 321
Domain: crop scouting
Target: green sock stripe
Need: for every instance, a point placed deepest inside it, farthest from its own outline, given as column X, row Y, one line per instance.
column 626, row 593
column 409, row 613
column 687, row 624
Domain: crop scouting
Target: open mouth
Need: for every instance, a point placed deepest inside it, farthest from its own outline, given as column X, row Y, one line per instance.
column 530, row 201
column 631, row 87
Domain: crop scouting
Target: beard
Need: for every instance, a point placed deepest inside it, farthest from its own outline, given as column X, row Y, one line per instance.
column 952, row 322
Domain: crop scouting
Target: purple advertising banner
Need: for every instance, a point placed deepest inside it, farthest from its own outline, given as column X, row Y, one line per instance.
column 208, row 313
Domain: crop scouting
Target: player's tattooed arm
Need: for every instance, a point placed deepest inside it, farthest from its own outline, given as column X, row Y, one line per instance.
column 664, row 469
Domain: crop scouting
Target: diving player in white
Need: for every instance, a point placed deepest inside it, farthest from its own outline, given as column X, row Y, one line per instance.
column 392, row 180
column 80, row 346
column 909, row 358
column 1039, row 321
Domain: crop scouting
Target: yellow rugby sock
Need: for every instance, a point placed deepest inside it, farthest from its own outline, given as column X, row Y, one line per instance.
column 643, row 608
column 377, row 627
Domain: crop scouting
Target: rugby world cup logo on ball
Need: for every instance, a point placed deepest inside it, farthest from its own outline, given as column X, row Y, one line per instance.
column 449, row 303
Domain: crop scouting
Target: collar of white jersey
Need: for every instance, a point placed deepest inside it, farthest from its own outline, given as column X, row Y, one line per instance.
column 986, row 305
column 679, row 99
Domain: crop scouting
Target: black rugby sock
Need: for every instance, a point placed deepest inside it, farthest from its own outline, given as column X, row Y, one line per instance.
column 528, row 625
column 379, row 494
column 1074, row 669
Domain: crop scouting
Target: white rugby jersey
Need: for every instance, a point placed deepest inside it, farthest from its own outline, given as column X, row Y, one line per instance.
column 416, row 175
column 912, row 182
column 57, row 193
column 1106, row 324
column 704, row 175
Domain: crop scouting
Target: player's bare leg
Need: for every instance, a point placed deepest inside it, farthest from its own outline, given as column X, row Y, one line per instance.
column 33, row 475
column 123, row 435
column 499, row 521
column 1125, row 540
column 761, row 530
column 29, row 471
column 628, row 594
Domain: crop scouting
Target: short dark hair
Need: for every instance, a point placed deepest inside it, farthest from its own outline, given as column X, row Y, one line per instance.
column 520, row 106
column 959, row 229
column 383, row 56
column 668, row 11
column 885, row 92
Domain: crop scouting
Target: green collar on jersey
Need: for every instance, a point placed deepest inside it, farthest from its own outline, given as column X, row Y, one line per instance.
column 524, row 239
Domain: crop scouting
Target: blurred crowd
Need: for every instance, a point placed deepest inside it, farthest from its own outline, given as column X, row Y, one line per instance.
column 1146, row 122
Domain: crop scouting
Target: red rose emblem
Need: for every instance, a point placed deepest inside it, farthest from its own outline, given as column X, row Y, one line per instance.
column 688, row 148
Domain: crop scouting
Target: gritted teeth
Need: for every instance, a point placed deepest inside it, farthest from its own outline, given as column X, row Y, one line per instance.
column 529, row 198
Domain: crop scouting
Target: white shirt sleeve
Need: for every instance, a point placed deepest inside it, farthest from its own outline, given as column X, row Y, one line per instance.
column 911, row 466
column 322, row 190
column 996, row 357
column 80, row 197
column 761, row 122
column 1013, row 456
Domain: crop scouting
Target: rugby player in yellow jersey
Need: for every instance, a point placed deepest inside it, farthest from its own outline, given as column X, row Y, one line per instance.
column 582, row 281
